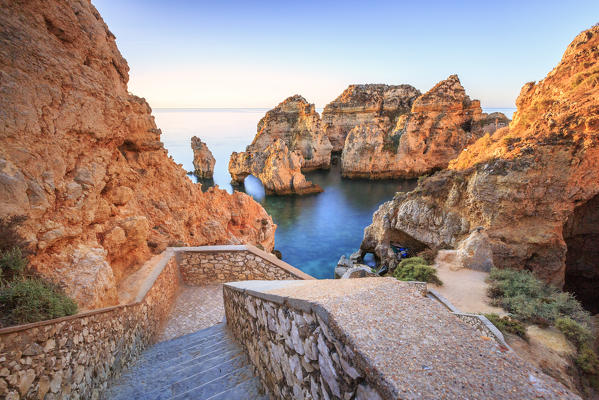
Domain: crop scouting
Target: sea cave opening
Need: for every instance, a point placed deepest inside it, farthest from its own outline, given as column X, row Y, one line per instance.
column 581, row 234
column 401, row 240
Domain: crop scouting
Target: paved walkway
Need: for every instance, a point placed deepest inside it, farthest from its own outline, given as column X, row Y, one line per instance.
column 196, row 308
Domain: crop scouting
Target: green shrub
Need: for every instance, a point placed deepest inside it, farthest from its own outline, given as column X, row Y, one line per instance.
column 12, row 264
column 587, row 360
column 530, row 300
column 30, row 300
column 573, row 331
column 416, row 269
column 24, row 298
column 508, row 325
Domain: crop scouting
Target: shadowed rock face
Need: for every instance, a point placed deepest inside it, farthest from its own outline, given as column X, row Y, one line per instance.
column 439, row 125
column 522, row 183
column 296, row 125
column 82, row 158
column 360, row 104
column 203, row 160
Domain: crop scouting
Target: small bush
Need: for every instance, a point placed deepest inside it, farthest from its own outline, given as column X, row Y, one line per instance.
column 573, row 331
column 416, row 269
column 30, row 300
column 587, row 360
column 12, row 264
column 530, row 300
column 508, row 325
column 9, row 237
column 24, row 298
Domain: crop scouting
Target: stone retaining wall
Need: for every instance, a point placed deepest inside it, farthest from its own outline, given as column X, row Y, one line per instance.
column 211, row 264
column 294, row 350
column 74, row 357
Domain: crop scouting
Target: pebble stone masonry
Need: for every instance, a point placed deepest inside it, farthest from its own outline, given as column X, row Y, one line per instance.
column 76, row 357
column 372, row 338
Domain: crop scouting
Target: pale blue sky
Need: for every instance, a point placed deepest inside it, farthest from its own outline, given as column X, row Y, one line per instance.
column 255, row 54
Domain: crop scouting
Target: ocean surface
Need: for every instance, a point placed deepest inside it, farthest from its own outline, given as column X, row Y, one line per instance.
column 313, row 231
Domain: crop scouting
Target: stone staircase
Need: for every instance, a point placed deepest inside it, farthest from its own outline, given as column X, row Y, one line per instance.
column 207, row 364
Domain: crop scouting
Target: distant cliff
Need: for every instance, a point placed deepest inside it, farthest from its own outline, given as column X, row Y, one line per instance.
column 533, row 185
column 419, row 139
column 82, row 158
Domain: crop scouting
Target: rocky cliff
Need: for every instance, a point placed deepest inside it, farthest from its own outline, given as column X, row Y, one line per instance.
column 365, row 104
column 82, row 158
column 203, row 160
column 440, row 123
column 526, row 185
column 296, row 124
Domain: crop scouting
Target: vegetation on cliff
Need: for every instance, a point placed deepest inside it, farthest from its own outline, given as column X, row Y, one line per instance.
column 529, row 300
column 25, row 297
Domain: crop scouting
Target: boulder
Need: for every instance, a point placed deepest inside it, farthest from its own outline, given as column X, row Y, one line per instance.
column 359, row 271
column 475, row 251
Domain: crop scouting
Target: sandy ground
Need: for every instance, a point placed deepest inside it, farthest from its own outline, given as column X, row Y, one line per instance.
column 466, row 289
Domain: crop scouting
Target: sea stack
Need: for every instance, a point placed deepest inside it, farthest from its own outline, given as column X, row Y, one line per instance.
column 203, row 160
column 294, row 129
column 439, row 125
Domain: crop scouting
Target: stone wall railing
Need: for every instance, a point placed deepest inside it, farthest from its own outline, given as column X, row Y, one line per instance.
column 76, row 356
column 477, row 321
column 293, row 348
column 199, row 265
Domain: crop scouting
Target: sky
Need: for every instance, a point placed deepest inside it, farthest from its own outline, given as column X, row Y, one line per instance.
column 225, row 54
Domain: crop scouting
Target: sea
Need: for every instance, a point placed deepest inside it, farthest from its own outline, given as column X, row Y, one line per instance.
column 313, row 231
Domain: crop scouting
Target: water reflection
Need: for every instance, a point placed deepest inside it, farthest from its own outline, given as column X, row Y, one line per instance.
column 315, row 230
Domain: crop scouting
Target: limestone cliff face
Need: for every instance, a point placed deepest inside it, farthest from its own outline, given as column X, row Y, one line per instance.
column 363, row 104
column 439, row 125
column 278, row 168
column 203, row 160
column 82, row 158
column 524, row 184
column 297, row 125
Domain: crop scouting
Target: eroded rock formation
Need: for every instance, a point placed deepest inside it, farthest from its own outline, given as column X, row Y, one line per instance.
column 82, row 158
column 439, row 125
column 364, row 104
column 296, row 125
column 522, row 184
column 203, row 160
column 278, row 168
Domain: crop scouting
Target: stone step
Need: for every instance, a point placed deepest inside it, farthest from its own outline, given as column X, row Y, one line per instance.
column 207, row 364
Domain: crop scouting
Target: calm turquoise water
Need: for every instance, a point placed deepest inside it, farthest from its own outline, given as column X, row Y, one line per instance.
column 313, row 231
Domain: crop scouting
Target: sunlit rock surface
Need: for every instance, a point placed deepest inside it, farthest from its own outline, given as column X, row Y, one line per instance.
column 440, row 123
column 296, row 125
column 526, row 184
column 83, row 160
